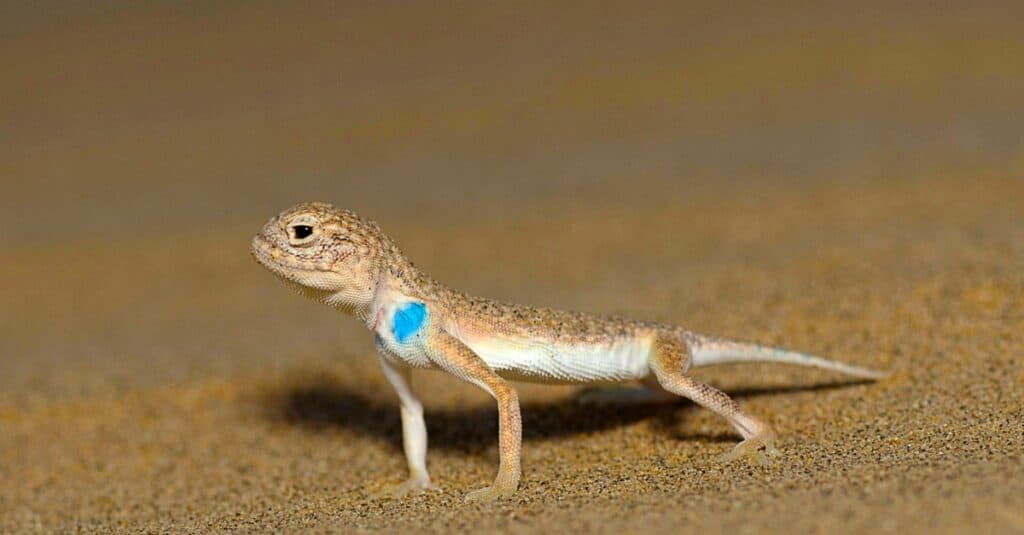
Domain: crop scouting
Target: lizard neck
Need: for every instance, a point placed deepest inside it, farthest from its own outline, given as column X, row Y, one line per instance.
column 401, row 280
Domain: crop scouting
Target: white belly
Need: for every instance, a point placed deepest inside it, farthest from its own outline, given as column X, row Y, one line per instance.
column 545, row 362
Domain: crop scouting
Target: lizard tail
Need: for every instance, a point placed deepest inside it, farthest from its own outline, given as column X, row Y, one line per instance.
column 708, row 352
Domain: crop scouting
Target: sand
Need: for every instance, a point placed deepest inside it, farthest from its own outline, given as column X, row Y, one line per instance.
column 844, row 182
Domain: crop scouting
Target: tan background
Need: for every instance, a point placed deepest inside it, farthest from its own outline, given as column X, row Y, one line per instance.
column 844, row 180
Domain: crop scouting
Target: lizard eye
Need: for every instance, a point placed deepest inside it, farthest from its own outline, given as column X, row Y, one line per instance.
column 302, row 231
column 300, row 234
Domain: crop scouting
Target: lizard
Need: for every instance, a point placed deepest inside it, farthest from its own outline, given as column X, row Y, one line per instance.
column 340, row 259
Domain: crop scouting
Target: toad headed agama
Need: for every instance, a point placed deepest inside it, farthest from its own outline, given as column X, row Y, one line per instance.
column 337, row 258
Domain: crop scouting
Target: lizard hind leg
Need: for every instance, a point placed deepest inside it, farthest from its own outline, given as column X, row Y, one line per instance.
column 670, row 357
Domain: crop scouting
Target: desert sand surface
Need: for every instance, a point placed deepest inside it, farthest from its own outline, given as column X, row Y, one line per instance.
column 844, row 180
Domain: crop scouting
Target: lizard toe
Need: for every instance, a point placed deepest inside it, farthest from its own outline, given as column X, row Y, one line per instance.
column 409, row 487
column 755, row 449
column 490, row 494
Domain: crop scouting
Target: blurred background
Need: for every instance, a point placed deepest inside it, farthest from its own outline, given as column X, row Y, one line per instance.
column 178, row 115
column 814, row 174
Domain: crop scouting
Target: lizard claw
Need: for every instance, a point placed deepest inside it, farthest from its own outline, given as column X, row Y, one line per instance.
column 490, row 494
column 756, row 449
column 411, row 486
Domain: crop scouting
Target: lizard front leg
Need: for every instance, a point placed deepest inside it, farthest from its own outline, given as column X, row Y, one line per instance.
column 414, row 430
column 455, row 358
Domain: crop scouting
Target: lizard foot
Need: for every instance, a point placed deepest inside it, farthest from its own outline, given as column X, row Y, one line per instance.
column 755, row 449
column 491, row 493
column 411, row 486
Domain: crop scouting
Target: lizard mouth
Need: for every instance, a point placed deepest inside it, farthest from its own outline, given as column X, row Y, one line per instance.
column 268, row 254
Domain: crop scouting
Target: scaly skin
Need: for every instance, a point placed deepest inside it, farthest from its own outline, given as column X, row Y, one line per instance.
column 335, row 257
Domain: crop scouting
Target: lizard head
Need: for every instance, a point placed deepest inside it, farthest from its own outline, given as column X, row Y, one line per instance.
column 329, row 255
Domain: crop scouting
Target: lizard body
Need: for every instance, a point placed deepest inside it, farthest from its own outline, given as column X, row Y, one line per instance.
column 335, row 257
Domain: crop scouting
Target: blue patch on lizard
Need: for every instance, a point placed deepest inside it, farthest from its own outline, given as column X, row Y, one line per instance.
column 408, row 319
